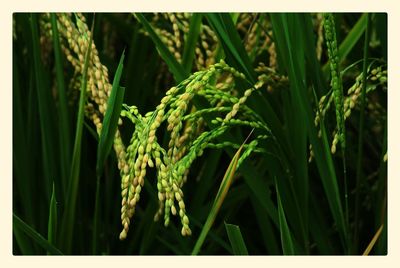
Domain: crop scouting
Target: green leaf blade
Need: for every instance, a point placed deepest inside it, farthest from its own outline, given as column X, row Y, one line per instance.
column 191, row 41
column 220, row 197
column 64, row 127
column 69, row 213
column 110, row 122
column 52, row 223
column 44, row 103
column 38, row 238
column 236, row 239
column 286, row 236
column 230, row 40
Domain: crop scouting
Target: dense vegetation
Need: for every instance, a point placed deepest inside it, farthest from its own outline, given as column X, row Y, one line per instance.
column 260, row 134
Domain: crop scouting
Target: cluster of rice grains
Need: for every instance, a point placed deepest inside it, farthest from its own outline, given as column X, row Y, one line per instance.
column 187, row 139
column 173, row 37
column 74, row 37
column 376, row 77
column 257, row 34
column 189, row 132
column 336, row 80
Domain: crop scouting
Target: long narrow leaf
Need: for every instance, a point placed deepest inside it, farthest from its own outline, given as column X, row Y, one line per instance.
column 360, row 154
column 106, row 139
column 191, row 41
column 44, row 101
column 52, row 223
column 213, row 236
column 286, row 237
column 296, row 195
column 38, row 238
column 111, row 118
column 230, row 40
column 236, row 239
column 24, row 243
column 64, row 128
column 222, row 192
column 69, row 214
column 373, row 241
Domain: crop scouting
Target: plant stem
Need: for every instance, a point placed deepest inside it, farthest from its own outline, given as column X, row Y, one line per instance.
column 361, row 137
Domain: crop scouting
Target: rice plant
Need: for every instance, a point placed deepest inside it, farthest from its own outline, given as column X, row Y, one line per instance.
column 199, row 133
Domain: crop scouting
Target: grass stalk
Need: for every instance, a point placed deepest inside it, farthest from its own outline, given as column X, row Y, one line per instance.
column 111, row 118
column 53, row 221
column 288, row 247
column 191, row 41
column 106, row 140
column 373, row 241
column 44, row 104
column 359, row 174
column 63, row 115
column 69, row 214
column 222, row 192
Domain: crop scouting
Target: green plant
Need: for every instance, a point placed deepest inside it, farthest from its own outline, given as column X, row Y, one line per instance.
column 184, row 99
